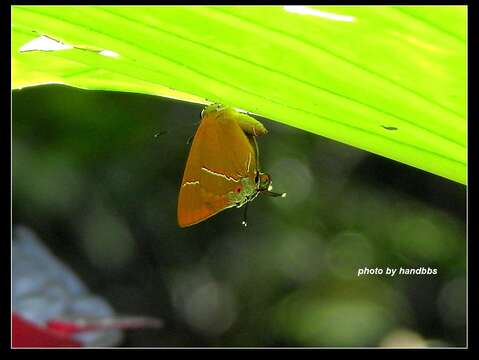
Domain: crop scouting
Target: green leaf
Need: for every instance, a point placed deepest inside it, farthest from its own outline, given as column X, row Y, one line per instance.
column 389, row 80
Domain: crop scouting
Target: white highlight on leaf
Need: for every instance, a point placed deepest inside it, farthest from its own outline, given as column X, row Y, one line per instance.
column 44, row 43
column 219, row 174
column 304, row 10
column 242, row 111
column 109, row 53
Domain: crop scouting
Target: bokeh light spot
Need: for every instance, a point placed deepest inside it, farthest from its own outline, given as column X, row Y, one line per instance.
column 295, row 179
column 107, row 241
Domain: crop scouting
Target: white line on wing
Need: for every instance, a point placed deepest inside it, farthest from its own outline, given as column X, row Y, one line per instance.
column 219, row 174
column 191, row 183
column 249, row 162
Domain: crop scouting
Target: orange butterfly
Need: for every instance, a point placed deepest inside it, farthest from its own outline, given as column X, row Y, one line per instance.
column 222, row 170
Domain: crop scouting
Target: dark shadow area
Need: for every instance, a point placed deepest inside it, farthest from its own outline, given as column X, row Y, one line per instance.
column 100, row 189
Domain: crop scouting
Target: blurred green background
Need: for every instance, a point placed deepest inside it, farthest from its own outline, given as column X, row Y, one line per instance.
column 91, row 178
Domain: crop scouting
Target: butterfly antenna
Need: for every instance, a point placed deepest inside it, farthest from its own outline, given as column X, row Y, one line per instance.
column 158, row 134
column 274, row 194
column 245, row 213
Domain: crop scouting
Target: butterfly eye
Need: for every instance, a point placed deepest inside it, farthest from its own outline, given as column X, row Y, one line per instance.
column 238, row 189
column 256, row 178
column 264, row 182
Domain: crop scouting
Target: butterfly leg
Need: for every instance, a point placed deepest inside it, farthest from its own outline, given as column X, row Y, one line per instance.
column 245, row 213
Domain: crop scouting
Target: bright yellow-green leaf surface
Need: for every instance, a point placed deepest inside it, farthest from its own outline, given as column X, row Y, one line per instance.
column 389, row 80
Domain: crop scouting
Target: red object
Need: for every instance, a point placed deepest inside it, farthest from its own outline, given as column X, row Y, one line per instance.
column 73, row 326
column 58, row 332
column 28, row 334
